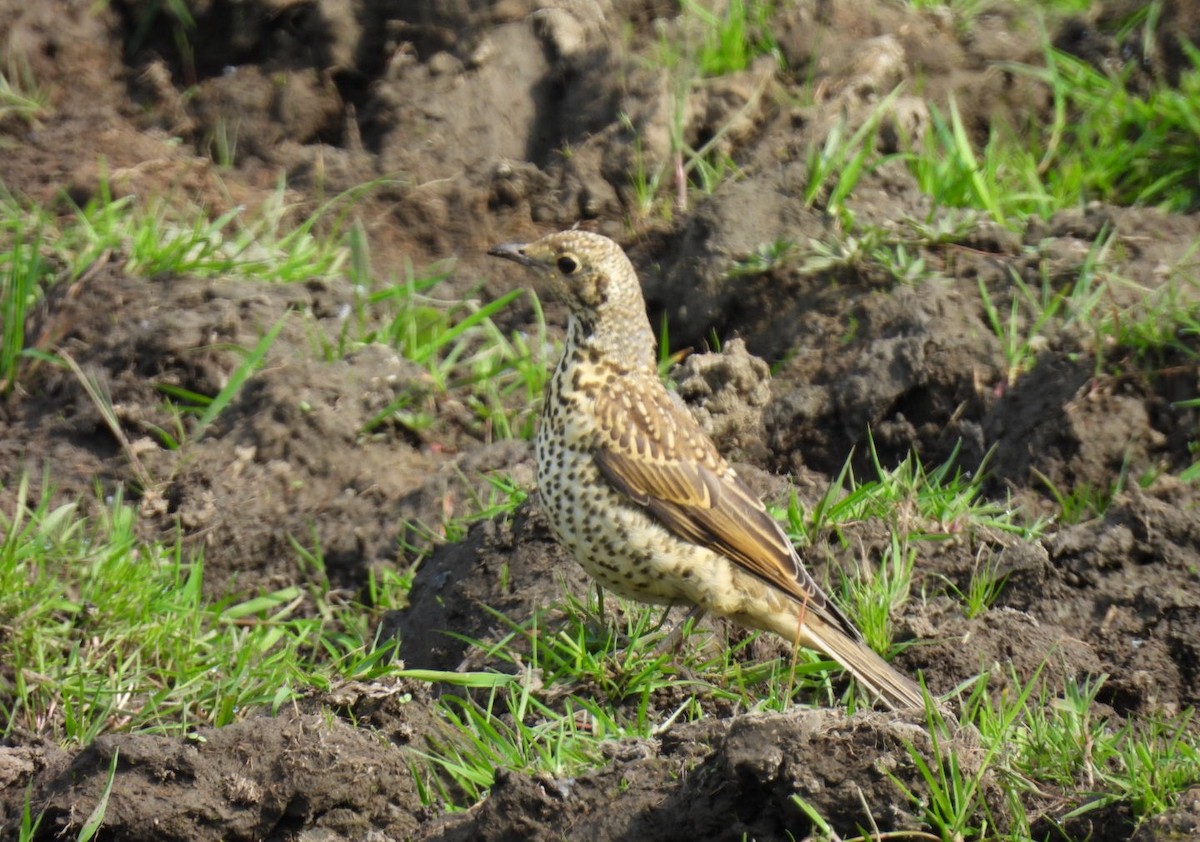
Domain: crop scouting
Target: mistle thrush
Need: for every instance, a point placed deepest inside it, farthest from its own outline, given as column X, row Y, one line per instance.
column 638, row 493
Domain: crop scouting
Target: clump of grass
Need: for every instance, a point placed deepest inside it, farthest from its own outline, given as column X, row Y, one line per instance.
column 872, row 253
column 877, row 592
column 105, row 632
column 157, row 238
column 1059, row 740
column 702, row 169
column 918, row 506
column 765, row 258
column 983, row 587
column 836, row 165
column 500, row 378
column 574, row 676
column 151, row 239
column 1087, row 310
column 1122, row 146
column 1044, row 758
column 729, row 42
column 1020, row 336
column 509, row 729
column 1085, row 500
column 20, row 95
column 1162, row 324
column 1106, row 141
column 553, row 713
column 501, row 499
column 922, row 502
column 1001, row 179
column 869, row 252
column 23, row 270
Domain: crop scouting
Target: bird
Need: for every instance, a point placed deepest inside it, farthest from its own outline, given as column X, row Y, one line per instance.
column 640, row 496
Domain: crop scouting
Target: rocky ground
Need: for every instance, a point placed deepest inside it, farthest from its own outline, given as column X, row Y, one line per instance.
column 493, row 122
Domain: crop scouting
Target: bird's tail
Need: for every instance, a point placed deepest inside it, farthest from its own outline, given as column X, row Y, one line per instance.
column 898, row 691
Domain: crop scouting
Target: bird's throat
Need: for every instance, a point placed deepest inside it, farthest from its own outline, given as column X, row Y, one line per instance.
column 623, row 342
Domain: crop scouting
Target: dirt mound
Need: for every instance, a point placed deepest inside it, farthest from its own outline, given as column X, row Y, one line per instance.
column 723, row 781
column 263, row 778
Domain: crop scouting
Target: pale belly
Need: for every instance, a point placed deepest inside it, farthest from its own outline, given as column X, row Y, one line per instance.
column 630, row 553
column 616, row 543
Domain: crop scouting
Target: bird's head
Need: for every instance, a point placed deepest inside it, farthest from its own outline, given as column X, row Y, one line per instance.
column 588, row 272
column 593, row 277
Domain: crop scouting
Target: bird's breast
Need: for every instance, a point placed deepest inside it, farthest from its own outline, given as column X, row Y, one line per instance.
column 613, row 538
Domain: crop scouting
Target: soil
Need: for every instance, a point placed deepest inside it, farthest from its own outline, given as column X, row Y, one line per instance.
column 490, row 123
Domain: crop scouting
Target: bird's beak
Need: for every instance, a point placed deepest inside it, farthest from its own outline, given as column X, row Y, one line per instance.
column 514, row 252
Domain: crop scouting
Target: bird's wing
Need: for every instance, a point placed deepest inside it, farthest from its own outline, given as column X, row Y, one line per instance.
column 654, row 452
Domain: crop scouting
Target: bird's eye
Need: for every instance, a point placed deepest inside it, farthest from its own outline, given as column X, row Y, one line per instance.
column 567, row 264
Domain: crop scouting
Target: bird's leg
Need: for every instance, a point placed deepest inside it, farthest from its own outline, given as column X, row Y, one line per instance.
column 796, row 641
column 673, row 642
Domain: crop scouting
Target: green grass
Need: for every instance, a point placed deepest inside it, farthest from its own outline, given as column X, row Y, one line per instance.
column 499, row 377
column 20, row 95
column 691, row 170
column 731, row 41
column 983, row 587
column 561, row 702
column 580, row 675
column 23, row 270
column 1122, row 327
column 461, row 351
column 157, row 237
column 1001, row 179
column 95, row 819
column 1107, row 141
column 1021, row 336
column 919, row 502
column 836, row 165
column 501, row 498
column 877, row 591
column 103, row 632
column 867, row 253
column 861, row 252
column 1054, row 738
column 1046, row 757
column 276, row 242
column 152, row 239
column 919, row 507
column 1119, row 145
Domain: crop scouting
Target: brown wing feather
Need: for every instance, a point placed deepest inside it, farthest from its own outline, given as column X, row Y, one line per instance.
column 653, row 452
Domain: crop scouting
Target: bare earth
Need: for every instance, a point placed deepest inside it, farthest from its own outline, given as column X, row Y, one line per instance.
column 497, row 124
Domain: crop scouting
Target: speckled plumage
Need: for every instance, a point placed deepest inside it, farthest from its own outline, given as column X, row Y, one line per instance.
column 640, row 496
